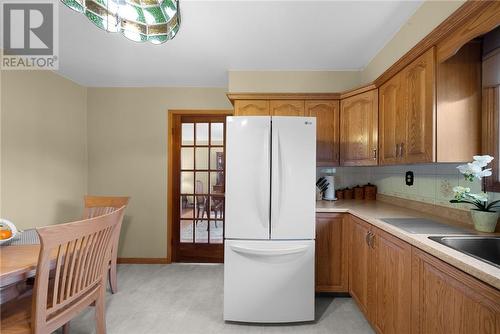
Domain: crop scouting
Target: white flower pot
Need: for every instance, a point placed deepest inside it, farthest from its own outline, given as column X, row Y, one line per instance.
column 484, row 221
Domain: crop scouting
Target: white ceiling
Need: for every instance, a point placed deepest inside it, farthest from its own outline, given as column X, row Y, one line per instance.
column 217, row 36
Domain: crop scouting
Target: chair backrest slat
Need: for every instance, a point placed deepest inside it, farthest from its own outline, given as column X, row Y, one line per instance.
column 81, row 252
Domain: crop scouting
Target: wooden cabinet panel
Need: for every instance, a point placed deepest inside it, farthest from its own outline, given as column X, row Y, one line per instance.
column 331, row 253
column 407, row 114
column 418, row 92
column 459, row 105
column 359, row 263
column 446, row 300
column 287, row 107
column 391, row 307
column 327, row 133
column 392, row 121
column 359, row 129
column 251, row 108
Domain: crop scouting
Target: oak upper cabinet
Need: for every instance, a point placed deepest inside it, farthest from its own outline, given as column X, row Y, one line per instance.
column 327, row 133
column 407, row 109
column 447, row 300
column 251, row 108
column 359, row 129
column 331, row 253
column 419, row 101
column 392, row 121
column 360, row 276
column 391, row 307
column 287, row 107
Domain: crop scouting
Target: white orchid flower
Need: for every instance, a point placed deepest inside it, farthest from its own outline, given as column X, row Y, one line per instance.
column 483, row 160
column 483, row 173
column 461, row 190
column 483, row 197
column 471, row 170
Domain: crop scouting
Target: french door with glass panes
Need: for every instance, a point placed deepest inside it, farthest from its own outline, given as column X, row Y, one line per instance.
column 198, row 190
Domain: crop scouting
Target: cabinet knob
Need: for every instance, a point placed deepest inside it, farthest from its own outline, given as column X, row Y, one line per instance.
column 374, row 154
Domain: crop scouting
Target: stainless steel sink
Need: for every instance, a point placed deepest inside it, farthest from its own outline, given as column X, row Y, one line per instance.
column 486, row 249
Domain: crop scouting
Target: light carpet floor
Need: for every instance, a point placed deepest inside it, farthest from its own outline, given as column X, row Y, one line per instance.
column 188, row 299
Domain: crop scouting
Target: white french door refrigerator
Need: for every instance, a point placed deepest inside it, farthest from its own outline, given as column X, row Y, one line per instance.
column 270, row 219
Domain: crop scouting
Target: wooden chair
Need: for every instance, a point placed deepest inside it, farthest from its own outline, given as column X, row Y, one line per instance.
column 98, row 206
column 70, row 276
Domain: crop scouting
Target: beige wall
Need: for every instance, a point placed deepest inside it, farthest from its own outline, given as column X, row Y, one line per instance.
column 292, row 81
column 43, row 148
column 425, row 19
column 127, row 131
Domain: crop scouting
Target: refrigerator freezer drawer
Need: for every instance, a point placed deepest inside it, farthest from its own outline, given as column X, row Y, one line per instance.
column 269, row 281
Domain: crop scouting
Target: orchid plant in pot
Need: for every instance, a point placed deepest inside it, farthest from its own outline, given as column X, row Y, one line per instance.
column 484, row 215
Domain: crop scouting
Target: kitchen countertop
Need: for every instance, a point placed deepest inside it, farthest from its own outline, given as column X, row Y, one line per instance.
column 374, row 211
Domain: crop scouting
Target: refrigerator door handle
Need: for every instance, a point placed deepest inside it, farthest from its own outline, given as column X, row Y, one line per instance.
column 263, row 200
column 279, row 182
column 269, row 252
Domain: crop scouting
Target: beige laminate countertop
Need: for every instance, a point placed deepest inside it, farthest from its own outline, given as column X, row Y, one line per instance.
column 374, row 211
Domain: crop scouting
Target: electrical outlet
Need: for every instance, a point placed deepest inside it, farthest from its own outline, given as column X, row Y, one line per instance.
column 409, row 178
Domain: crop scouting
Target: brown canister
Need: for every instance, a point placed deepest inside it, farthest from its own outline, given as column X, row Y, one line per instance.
column 348, row 193
column 370, row 192
column 339, row 193
column 359, row 192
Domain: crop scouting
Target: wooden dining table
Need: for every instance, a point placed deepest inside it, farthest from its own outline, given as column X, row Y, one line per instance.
column 17, row 263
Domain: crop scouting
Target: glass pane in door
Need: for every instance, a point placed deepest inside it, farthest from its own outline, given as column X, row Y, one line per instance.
column 201, row 188
column 217, row 134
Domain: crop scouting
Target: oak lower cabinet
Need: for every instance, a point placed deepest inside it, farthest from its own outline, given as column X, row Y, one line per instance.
column 380, row 277
column 391, row 304
column 331, row 252
column 360, row 263
column 359, row 129
column 447, row 300
column 327, row 130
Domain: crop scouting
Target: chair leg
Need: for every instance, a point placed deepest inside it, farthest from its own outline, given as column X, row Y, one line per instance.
column 100, row 315
column 113, row 282
column 65, row 328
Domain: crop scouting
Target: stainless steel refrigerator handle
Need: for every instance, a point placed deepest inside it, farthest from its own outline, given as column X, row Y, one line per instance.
column 269, row 252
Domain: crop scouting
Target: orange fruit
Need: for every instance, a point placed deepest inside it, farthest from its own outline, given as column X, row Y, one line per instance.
column 5, row 234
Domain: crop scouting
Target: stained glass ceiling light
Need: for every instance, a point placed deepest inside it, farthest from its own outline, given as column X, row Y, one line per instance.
column 156, row 21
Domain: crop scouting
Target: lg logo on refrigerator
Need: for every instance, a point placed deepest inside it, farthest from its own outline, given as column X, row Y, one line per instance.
column 29, row 33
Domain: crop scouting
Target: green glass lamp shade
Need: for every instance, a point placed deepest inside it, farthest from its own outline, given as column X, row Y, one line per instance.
column 156, row 21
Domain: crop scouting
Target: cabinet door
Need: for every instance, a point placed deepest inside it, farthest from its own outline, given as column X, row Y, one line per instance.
column 391, row 303
column 418, row 90
column 359, row 130
column 331, row 253
column 392, row 121
column 287, row 108
column 447, row 300
column 359, row 263
column 251, row 108
column 327, row 133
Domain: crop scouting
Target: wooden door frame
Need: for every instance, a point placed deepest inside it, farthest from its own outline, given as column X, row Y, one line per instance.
column 171, row 114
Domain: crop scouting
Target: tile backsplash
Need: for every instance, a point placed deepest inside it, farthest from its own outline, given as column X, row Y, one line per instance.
column 433, row 183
